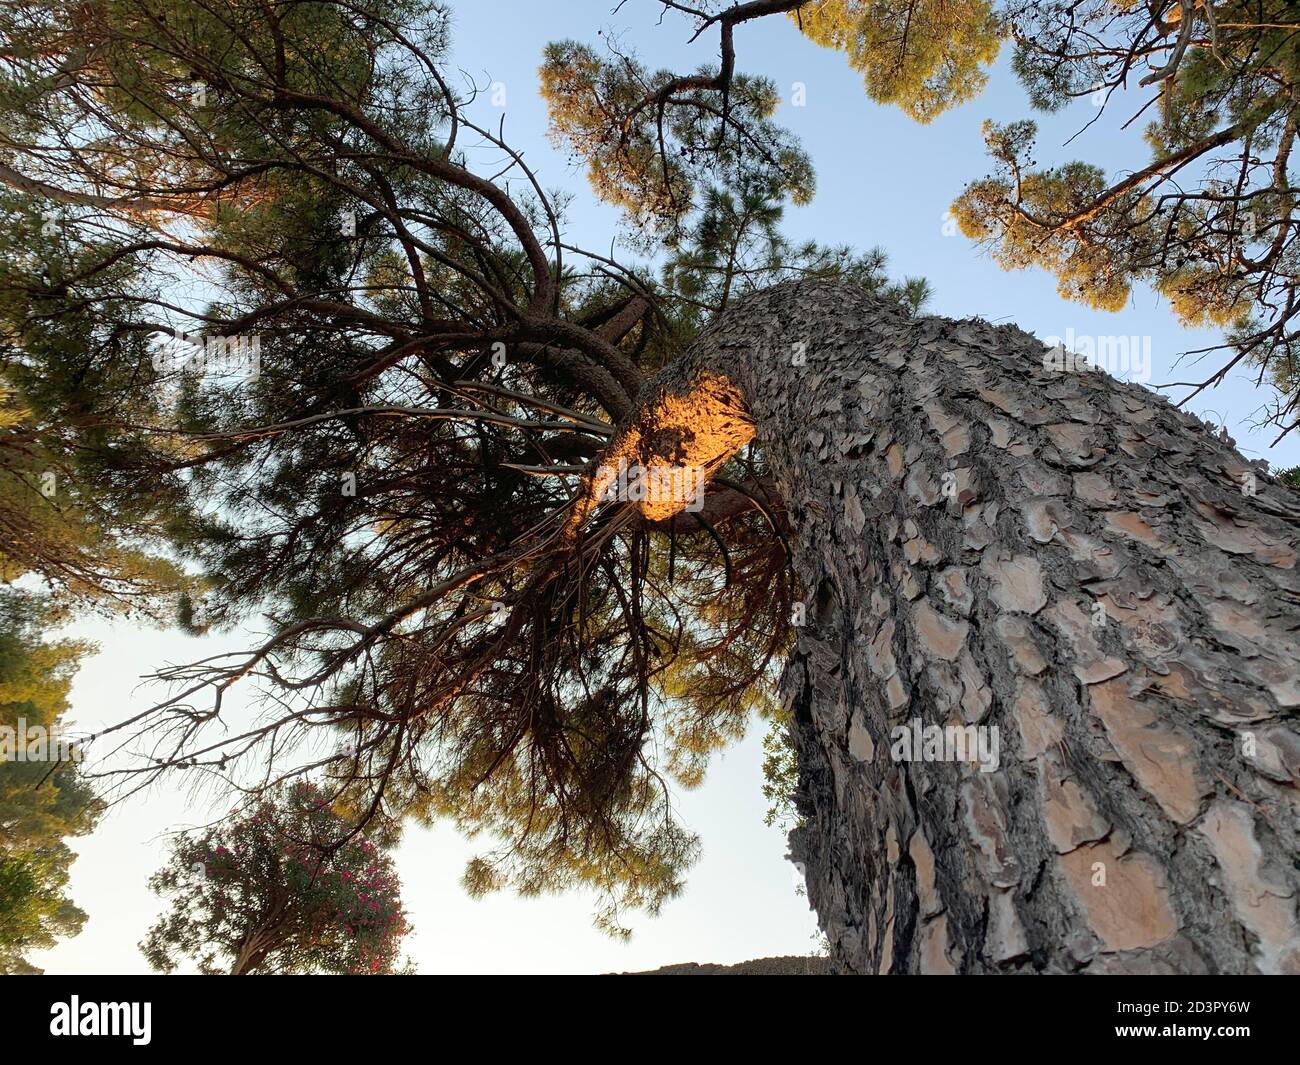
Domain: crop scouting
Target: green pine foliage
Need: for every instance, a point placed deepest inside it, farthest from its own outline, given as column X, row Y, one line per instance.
column 42, row 802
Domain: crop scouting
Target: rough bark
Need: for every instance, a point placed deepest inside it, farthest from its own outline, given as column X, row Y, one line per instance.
column 1067, row 558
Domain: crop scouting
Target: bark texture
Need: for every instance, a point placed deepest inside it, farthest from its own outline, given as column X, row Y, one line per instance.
column 1061, row 556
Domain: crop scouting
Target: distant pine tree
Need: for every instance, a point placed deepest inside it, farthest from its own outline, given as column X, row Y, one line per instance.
column 42, row 802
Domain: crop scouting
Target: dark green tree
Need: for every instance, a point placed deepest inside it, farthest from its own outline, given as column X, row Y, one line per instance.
column 78, row 511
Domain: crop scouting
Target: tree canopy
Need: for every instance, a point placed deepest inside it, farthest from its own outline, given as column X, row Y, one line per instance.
column 923, row 56
column 1206, row 218
column 272, row 306
column 283, row 886
column 1209, row 221
column 76, row 513
column 360, row 387
column 42, row 801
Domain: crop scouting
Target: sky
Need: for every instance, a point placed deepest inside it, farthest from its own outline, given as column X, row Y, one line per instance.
column 882, row 180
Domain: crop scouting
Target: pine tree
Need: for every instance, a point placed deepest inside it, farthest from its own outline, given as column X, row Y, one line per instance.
column 1206, row 220
column 44, row 800
column 433, row 486
column 76, row 507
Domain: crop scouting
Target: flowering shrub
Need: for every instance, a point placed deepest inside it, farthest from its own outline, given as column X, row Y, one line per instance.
column 281, row 888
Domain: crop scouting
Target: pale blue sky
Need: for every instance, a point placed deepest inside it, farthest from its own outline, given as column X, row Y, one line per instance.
column 883, row 180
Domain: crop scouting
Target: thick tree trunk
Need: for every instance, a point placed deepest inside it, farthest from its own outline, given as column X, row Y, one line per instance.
column 1103, row 587
column 248, row 956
